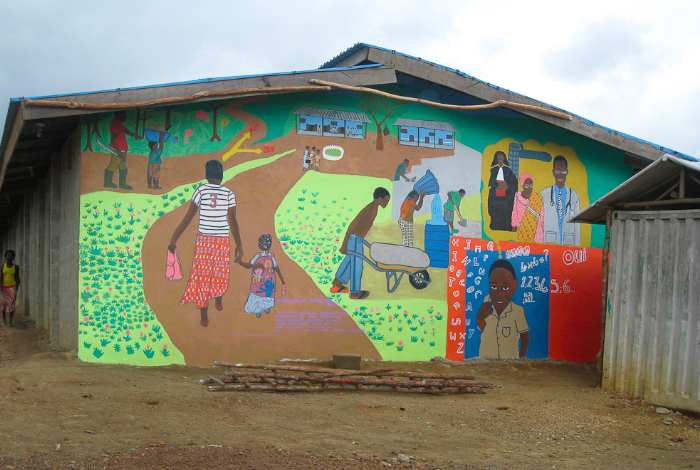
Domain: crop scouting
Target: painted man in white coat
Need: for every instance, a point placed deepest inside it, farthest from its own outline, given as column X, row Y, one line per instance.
column 560, row 204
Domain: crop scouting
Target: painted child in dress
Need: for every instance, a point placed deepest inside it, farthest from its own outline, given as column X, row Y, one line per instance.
column 263, row 279
column 504, row 329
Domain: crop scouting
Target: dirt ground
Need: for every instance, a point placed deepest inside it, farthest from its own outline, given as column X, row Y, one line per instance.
column 58, row 412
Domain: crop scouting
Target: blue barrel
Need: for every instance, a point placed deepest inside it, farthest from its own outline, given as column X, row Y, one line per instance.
column 437, row 245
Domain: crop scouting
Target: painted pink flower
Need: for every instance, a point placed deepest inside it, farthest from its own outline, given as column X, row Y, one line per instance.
column 107, row 326
column 431, row 307
column 437, row 313
column 431, row 316
column 165, row 346
column 139, row 213
column 127, row 332
column 145, row 325
column 117, row 210
column 405, row 311
column 148, row 347
column 356, row 309
column 142, row 333
column 433, row 329
column 400, row 343
column 110, row 288
column 148, row 221
column 391, row 317
column 139, row 258
column 134, row 277
column 86, row 318
column 106, row 249
column 87, row 287
column 131, row 214
column 131, row 203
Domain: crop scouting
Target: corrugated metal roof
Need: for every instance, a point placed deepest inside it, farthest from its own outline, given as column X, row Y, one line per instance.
column 191, row 82
column 332, row 114
column 661, row 170
column 357, row 47
column 441, row 126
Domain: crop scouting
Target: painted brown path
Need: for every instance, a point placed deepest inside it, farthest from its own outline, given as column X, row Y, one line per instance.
column 232, row 335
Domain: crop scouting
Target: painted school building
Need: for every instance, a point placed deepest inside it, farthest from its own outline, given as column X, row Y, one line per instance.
column 194, row 230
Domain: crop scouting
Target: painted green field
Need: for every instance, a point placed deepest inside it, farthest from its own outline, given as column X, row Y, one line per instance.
column 116, row 323
column 311, row 223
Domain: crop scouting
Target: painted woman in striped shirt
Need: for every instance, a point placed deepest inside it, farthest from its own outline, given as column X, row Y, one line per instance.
column 217, row 219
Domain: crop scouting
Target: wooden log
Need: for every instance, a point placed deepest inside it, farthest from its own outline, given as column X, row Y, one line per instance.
column 340, row 372
column 476, row 107
column 313, row 370
column 423, row 375
column 174, row 99
column 237, row 376
column 299, row 388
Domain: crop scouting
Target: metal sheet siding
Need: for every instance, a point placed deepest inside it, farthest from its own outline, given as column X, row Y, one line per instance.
column 652, row 346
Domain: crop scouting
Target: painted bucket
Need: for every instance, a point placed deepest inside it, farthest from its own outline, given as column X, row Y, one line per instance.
column 153, row 135
column 427, row 183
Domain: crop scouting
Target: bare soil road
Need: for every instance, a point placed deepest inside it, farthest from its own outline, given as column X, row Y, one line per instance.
column 58, row 412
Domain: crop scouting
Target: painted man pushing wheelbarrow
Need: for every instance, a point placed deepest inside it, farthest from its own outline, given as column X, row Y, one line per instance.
column 351, row 267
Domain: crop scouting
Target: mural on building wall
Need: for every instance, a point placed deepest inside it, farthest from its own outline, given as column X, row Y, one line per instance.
column 533, row 190
column 362, row 203
column 511, row 299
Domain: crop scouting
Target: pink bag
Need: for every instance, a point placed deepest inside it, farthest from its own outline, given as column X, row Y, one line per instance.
column 173, row 271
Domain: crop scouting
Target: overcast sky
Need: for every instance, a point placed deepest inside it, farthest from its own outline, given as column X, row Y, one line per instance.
column 633, row 66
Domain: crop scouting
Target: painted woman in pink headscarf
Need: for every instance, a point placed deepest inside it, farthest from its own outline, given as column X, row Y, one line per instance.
column 528, row 212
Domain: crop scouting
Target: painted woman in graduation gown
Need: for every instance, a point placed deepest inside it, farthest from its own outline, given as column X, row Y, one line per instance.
column 503, row 184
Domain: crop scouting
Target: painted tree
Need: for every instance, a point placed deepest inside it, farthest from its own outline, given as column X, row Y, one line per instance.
column 91, row 122
column 168, row 111
column 215, row 134
column 377, row 106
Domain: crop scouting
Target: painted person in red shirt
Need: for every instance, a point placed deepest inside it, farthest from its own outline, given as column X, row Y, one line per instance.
column 119, row 132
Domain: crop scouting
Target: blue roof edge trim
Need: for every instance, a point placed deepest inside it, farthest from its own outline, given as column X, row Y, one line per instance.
column 360, row 45
column 201, row 80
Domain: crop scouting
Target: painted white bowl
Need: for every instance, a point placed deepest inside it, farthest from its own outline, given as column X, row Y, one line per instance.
column 332, row 157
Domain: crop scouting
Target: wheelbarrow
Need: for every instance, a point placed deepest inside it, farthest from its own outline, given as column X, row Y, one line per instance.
column 395, row 261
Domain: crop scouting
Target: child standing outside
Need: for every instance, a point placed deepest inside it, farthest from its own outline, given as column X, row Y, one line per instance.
column 154, row 162
column 263, row 282
column 10, row 284
column 307, row 158
column 504, row 329
column 318, row 159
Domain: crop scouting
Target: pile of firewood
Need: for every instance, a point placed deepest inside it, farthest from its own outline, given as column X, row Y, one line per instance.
column 283, row 378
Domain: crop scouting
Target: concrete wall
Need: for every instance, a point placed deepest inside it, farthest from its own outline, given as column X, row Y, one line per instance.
column 44, row 234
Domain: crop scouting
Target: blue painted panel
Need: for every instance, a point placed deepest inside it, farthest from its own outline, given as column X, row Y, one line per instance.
column 411, row 134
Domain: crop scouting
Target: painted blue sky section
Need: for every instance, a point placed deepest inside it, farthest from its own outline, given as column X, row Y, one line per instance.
column 344, row 55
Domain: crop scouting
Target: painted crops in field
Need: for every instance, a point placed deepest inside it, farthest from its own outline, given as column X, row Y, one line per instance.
column 310, row 225
column 116, row 323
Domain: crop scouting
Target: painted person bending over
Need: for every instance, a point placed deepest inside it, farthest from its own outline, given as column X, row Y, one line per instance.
column 501, row 322
column 351, row 267
column 212, row 263
column 10, row 284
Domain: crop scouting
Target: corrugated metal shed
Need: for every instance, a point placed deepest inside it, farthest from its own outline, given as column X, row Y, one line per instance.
column 652, row 309
column 332, row 114
column 441, row 126
column 651, row 330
